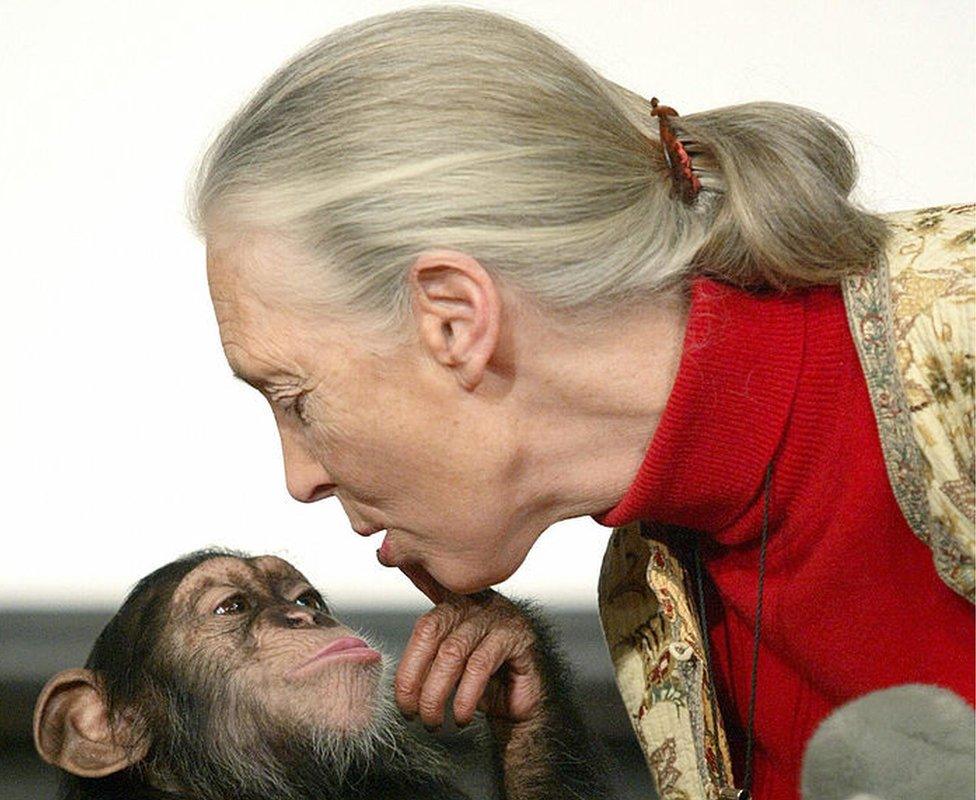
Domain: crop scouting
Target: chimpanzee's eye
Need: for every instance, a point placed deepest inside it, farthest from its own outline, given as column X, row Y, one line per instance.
column 311, row 599
column 235, row 604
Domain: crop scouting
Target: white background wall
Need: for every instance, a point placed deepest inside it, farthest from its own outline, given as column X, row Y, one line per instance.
column 123, row 439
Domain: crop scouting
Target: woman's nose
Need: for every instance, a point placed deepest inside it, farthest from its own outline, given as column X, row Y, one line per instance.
column 306, row 478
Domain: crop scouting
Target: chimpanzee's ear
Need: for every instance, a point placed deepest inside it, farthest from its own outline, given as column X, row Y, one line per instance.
column 72, row 729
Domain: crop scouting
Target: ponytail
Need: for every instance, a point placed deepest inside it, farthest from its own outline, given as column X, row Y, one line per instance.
column 462, row 129
column 782, row 217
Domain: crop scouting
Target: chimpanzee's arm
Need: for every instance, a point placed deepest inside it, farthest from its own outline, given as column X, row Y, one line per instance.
column 501, row 657
column 550, row 756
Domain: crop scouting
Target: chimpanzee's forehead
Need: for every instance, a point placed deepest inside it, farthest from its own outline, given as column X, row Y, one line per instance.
column 260, row 571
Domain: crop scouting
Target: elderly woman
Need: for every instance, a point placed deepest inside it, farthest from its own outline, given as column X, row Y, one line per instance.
column 484, row 289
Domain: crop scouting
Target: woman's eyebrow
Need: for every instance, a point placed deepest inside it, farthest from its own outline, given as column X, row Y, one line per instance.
column 248, row 379
column 263, row 382
column 242, row 374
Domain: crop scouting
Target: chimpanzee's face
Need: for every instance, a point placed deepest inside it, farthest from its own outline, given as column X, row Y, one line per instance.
column 238, row 682
column 260, row 626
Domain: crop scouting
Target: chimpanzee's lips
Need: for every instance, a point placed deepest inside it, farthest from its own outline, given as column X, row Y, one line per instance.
column 348, row 648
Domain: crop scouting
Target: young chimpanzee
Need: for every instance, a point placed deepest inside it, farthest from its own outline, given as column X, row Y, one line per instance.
column 225, row 677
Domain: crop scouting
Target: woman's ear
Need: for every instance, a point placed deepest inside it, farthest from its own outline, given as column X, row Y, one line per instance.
column 458, row 312
column 72, row 729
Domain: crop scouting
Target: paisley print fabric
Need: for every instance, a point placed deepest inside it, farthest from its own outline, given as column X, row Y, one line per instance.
column 913, row 322
column 912, row 317
column 655, row 643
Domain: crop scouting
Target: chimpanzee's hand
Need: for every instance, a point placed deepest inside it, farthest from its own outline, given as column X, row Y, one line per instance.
column 481, row 644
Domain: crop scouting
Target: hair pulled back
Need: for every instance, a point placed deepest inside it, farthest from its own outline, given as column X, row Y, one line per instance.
column 457, row 128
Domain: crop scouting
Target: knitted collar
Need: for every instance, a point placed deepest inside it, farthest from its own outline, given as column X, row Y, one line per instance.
column 726, row 414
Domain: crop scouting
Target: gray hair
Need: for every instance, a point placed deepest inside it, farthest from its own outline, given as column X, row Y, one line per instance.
column 456, row 128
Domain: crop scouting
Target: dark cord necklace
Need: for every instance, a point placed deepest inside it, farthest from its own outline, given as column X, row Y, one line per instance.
column 745, row 793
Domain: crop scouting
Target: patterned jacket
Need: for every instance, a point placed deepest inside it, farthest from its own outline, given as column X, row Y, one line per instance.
column 912, row 318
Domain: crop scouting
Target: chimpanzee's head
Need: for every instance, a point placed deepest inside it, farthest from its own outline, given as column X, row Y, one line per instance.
column 221, row 676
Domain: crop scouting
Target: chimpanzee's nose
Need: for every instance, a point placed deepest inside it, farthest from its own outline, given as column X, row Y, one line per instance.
column 299, row 617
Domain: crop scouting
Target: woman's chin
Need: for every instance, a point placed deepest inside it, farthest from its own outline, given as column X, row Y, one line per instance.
column 465, row 579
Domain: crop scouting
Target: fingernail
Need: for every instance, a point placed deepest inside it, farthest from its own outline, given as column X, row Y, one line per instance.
column 432, row 728
column 408, row 715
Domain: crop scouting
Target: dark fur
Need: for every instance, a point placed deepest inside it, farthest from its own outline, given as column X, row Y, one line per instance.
column 119, row 657
column 126, row 657
column 564, row 761
column 180, row 707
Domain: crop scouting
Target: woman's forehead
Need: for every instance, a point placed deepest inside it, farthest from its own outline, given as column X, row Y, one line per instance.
column 261, row 266
column 259, row 343
column 234, row 290
column 262, row 313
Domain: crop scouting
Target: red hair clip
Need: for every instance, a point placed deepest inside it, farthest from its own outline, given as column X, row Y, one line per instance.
column 684, row 181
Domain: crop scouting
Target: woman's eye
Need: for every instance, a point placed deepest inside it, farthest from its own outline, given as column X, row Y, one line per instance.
column 235, row 604
column 311, row 599
column 299, row 406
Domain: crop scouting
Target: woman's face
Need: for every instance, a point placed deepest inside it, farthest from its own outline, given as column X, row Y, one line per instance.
column 387, row 430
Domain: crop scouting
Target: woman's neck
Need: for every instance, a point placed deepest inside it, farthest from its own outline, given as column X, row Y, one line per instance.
column 587, row 401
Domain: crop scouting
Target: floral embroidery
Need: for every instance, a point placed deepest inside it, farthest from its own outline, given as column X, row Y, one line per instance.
column 938, row 380
column 666, row 776
column 655, row 643
column 966, row 238
column 913, row 320
column 962, row 374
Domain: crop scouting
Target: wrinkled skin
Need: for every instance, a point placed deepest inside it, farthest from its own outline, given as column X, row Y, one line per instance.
column 220, row 677
column 390, row 434
column 261, row 621
column 258, row 623
column 483, row 648
column 465, row 435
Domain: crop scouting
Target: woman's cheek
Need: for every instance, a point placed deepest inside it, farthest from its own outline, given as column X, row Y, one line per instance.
column 324, row 431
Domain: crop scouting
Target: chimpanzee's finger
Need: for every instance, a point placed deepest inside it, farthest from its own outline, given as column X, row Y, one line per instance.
column 449, row 663
column 484, row 662
column 424, row 581
column 420, row 652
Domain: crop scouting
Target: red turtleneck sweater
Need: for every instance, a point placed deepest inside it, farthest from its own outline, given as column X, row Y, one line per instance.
column 852, row 602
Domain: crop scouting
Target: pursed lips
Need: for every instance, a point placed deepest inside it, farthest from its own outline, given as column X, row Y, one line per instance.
column 346, row 648
column 383, row 554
